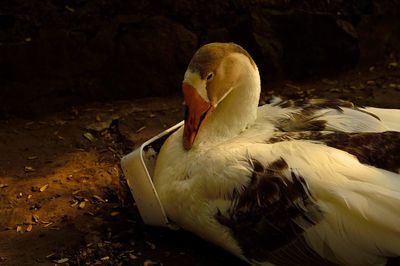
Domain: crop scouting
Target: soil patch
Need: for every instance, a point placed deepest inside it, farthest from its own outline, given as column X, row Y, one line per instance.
column 64, row 200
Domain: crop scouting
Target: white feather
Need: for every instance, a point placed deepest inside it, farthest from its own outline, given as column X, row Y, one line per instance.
column 345, row 120
column 351, row 120
column 389, row 117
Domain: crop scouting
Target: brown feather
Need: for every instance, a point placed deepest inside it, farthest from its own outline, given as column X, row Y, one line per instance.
column 306, row 118
column 381, row 149
column 377, row 149
column 271, row 213
column 209, row 56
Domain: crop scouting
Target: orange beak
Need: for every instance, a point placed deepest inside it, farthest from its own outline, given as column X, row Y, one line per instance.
column 197, row 109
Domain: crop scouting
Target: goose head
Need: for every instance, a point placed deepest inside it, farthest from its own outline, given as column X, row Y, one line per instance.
column 221, row 88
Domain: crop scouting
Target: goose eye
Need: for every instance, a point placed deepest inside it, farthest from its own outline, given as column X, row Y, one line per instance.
column 210, row 76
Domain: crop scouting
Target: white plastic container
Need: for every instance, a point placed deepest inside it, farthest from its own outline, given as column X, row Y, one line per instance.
column 138, row 167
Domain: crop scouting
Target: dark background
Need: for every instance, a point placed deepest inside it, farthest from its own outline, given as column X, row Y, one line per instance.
column 77, row 86
column 58, row 53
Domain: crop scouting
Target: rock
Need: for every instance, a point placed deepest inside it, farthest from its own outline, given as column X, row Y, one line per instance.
column 379, row 31
column 54, row 54
column 311, row 43
column 6, row 21
column 267, row 45
column 134, row 55
column 150, row 57
column 392, row 45
column 180, row 8
column 216, row 35
column 293, row 43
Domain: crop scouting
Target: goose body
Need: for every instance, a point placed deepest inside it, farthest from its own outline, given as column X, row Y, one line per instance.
column 289, row 183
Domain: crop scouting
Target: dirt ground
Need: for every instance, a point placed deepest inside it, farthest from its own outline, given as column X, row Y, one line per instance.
column 63, row 197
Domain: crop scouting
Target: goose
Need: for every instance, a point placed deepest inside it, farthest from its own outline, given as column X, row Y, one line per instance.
column 306, row 182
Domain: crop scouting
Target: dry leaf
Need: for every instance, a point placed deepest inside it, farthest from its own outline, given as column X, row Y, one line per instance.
column 35, row 218
column 141, row 129
column 44, row 188
column 74, row 203
column 76, row 192
column 29, row 169
column 133, row 257
column 149, row 263
column 50, row 255
column 32, row 157
column 64, row 260
column 105, row 258
column 70, row 9
column 30, row 123
column 82, row 205
column 60, row 122
column 19, row 229
column 114, row 213
column 151, row 245
column 29, row 196
column 292, row 86
column 112, row 150
column 29, row 228
column 98, row 198
column 3, row 185
column 47, row 224
column 89, row 136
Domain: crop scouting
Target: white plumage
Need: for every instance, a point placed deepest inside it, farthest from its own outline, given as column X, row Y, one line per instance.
column 284, row 183
column 389, row 117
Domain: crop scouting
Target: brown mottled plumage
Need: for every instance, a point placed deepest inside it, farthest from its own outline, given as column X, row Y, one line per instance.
column 271, row 213
column 306, row 118
column 381, row 149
